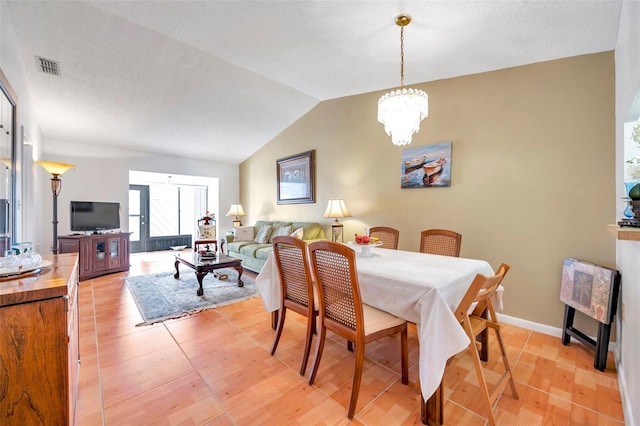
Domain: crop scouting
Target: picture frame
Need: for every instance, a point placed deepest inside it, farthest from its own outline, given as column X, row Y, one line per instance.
column 426, row 166
column 296, row 178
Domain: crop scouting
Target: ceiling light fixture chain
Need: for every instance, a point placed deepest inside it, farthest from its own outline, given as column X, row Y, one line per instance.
column 402, row 57
column 402, row 110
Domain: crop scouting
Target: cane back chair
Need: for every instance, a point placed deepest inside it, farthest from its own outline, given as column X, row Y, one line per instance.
column 388, row 236
column 440, row 241
column 341, row 310
column 296, row 288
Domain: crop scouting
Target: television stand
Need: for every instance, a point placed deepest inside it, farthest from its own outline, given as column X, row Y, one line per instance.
column 99, row 254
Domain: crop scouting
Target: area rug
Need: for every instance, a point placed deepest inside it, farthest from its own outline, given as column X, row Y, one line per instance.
column 161, row 297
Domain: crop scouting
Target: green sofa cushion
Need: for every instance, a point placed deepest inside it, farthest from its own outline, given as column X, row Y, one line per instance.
column 281, row 229
column 237, row 245
column 264, row 235
column 251, row 249
column 263, row 253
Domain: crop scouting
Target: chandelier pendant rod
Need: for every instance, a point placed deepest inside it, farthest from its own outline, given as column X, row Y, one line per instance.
column 402, row 57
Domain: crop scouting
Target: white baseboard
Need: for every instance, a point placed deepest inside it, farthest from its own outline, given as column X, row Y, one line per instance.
column 624, row 394
column 540, row 328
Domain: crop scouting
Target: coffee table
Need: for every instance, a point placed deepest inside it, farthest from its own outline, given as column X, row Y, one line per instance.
column 203, row 266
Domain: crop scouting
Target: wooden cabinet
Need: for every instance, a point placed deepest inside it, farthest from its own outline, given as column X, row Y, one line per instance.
column 39, row 354
column 99, row 254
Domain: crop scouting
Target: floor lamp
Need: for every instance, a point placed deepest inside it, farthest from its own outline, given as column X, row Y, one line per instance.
column 56, row 170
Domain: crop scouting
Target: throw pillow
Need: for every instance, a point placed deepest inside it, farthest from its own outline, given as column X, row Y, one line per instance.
column 243, row 233
column 281, row 230
column 298, row 233
column 264, row 234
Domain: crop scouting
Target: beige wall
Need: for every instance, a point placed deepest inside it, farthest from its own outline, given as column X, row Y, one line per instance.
column 532, row 171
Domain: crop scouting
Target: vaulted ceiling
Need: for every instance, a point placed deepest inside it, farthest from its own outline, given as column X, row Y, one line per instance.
column 173, row 77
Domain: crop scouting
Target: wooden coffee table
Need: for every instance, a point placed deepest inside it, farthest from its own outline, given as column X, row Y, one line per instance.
column 203, row 266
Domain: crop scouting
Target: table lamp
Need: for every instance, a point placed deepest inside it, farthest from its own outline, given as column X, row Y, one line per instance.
column 237, row 211
column 56, row 170
column 336, row 209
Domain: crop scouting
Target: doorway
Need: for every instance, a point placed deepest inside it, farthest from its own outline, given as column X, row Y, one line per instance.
column 164, row 209
column 138, row 213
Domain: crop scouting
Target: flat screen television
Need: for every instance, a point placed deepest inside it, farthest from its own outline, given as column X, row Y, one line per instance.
column 94, row 216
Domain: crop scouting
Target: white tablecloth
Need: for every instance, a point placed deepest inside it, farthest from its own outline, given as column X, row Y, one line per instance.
column 418, row 287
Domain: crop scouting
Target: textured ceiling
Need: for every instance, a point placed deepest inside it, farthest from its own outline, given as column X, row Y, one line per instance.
column 173, row 77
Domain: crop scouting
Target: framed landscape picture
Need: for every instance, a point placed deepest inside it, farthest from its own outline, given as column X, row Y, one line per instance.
column 296, row 178
column 426, row 166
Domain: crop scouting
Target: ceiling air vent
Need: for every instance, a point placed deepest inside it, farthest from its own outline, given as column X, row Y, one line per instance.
column 47, row 66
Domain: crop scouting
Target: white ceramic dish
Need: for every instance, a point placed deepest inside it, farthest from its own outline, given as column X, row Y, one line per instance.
column 178, row 248
column 376, row 244
column 15, row 270
column 364, row 248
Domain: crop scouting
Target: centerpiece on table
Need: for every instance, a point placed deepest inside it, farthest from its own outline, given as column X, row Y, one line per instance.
column 365, row 242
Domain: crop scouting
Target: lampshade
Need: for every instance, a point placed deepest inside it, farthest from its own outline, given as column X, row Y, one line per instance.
column 402, row 110
column 336, row 209
column 56, row 169
column 236, row 210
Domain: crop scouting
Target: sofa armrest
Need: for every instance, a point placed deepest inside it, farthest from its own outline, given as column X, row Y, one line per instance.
column 229, row 238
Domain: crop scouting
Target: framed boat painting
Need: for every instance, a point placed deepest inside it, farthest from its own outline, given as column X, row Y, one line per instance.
column 296, row 178
column 426, row 166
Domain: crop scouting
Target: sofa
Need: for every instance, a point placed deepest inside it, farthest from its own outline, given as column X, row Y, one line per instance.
column 253, row 244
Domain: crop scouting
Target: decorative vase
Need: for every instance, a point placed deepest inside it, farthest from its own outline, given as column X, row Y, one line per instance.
column 628, row 212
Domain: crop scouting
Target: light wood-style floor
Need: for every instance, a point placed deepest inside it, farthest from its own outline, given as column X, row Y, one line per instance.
column 214, row 368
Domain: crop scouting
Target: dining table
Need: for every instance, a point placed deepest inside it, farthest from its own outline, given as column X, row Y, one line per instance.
column 418, row 287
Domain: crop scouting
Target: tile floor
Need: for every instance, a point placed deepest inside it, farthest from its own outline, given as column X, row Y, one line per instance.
column 214, row 368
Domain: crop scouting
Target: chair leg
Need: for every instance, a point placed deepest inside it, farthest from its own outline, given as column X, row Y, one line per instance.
column 482, row 383
column 569, row 315
column 311, row 325
column 602, row 346
column 357, row 379
column 507, row 367
column 319, row 348
column 404, row 353
column 276, row 339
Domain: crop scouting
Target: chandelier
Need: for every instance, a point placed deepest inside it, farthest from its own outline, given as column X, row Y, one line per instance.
column 402, row 110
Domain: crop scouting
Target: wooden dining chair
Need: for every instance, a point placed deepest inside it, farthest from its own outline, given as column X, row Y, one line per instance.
column 388, row 236
column 341, row 310
column 296, row 288
column 482, row 318
column 440, row 241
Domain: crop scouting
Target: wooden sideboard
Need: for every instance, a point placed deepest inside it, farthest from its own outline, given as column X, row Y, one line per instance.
column 39, row 354
column 100, row 254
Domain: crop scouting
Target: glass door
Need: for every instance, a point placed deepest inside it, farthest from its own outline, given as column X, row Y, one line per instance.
column 138, row 214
